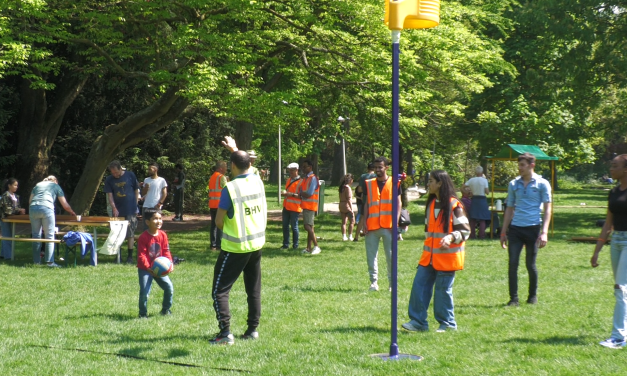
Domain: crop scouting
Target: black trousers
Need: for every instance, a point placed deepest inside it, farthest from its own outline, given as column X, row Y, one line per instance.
column 178, row 201
column 215, row 234
column 517, row 238
column 227, row 270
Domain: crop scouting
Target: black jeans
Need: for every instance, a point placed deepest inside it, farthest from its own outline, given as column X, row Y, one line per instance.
column 215, row 233
column 226, row 271
column 517, row 238
column 178, row 201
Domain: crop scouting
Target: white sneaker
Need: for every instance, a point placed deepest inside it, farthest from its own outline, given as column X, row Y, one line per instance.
column 344, row 238
column 316, row 250
column 374, row 286
column 350, row 238
column 53, row 265
column 306, row 251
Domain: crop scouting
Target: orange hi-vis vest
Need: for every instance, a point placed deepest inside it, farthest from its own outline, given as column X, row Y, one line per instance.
column 379, row 205
column 215, row 190
column 447, row 260
column 309, row 203
column 292, row 203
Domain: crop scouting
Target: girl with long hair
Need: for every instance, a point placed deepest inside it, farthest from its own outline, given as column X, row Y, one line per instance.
column 447, row 229
column 346, row 207
column 9, row 204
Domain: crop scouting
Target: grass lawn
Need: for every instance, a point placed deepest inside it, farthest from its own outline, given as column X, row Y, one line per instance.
column 318, row 316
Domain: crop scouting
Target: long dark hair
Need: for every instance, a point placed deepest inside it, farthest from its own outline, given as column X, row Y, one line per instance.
column 447, row 190
column 344, row 181
column 6, row 183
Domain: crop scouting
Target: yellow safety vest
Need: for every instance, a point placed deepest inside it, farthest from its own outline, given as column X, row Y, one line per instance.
column 246, row 231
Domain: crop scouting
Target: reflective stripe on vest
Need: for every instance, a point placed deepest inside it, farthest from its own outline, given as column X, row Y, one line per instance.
column 379, row 205
column 450, row 259
column 215, row 190
column 246, row 231
column 310, row 203
column 292, row 203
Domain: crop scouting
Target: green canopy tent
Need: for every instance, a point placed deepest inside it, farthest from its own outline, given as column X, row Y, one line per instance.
column 510, row 152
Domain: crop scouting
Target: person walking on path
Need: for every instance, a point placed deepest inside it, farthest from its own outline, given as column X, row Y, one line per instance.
column 41, row 213
column 309, row 190
column 179, row 190
column 359, row 196
column 122, row 190
column 9, row 205
column 291, row 206
column 446, row 228
column 479, row 210
column 346, row 206
column 378, row 219
column 217, row 182
column 523, row 225
column 242, row 215
column 616, row 224
column 154, row 190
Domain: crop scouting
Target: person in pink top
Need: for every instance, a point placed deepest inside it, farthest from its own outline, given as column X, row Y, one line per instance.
column 153, row 243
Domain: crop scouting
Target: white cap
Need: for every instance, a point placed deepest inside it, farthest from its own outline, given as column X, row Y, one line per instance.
column 292, row 165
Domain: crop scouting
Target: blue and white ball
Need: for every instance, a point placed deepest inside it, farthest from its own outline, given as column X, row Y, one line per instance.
column 162, row 266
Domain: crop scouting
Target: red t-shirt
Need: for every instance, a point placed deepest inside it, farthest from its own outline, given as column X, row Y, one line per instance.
column 150, row 247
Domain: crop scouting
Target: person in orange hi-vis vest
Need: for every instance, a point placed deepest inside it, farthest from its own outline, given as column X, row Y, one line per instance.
column 447, row 229
column 378, row 219
column 291, row 206
column 309, row 190
column 217, row 181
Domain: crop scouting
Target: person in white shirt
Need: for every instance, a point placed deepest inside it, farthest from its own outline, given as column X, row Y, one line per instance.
column 479, row 210
column 154, row 189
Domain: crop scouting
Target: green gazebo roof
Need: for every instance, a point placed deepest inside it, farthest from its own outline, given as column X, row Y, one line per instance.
column 512, row 151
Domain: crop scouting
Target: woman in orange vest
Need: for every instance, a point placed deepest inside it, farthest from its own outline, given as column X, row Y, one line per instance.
column 446, row 229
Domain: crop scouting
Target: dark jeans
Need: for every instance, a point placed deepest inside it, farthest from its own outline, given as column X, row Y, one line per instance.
column 290, row 218
column 226, row 271
column 517, row 238
column 214, row 231
column 178, row 201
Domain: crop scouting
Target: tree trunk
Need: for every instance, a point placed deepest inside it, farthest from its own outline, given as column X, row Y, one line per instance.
column 243, row 134
column 118, row 137
column 39, row 124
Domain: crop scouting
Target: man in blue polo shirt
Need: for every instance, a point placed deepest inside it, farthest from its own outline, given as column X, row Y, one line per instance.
column 525, row 195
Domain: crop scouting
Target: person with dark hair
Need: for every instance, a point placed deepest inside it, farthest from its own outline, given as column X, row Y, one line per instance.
column 217, row 182
column 151, row 244
column 9, row 205
column 242, row 216
column 359, row 197
column 447, row 229
column 154, row 190
column 378, row 219
column 523, row 225
column 309, row 190
column 179, row 190
column 346, row 206
column 122, row 190
column 41, row 214
column 291, row 206
column 479, row 210
column 616, row 224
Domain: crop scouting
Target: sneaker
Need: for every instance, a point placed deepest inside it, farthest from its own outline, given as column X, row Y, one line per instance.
column 444, row 328
column 350, row 238
column 165, row 312
column 129, row 260
column 532, row 300
column 413, row 328
column 285, row 247
column 306, row 252
column 176, row 219
column 219, row 339
column 513, row 303
column 374, row 287
column 316, row 250
column 53, row 265
column 344, row 238
column 252, row 335
column 143, row 316
column 613, row 343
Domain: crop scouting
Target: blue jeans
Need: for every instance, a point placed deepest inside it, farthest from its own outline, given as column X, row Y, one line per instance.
column 42, row 217
column 145, row 283
column 619, row 267
column 290, row 218
column 518, row 237
column 7, row 232
column 420, row 298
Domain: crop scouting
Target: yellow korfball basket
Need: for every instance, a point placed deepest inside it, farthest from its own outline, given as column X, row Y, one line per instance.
column 412, row 14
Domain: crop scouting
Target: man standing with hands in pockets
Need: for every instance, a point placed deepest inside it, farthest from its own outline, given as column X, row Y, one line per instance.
column 526, row 228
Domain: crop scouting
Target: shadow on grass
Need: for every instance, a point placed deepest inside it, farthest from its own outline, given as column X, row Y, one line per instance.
column 362, row 329
column 111, row 316
column 555, row 340
column 320, row 289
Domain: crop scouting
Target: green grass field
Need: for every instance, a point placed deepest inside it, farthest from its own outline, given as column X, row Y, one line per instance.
column 318, row 316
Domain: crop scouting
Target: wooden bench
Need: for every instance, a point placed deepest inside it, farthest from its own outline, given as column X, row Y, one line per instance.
column 29, row 240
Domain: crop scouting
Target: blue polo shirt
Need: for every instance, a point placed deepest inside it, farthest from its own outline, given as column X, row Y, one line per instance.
column 527, row 201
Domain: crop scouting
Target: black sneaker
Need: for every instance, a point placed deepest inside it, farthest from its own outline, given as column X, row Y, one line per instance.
column 513, row 303
column 221, row 339
column 285, row 247
column 165, row 312
column 532, row 300
column 129, row 260
column 250, row 335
